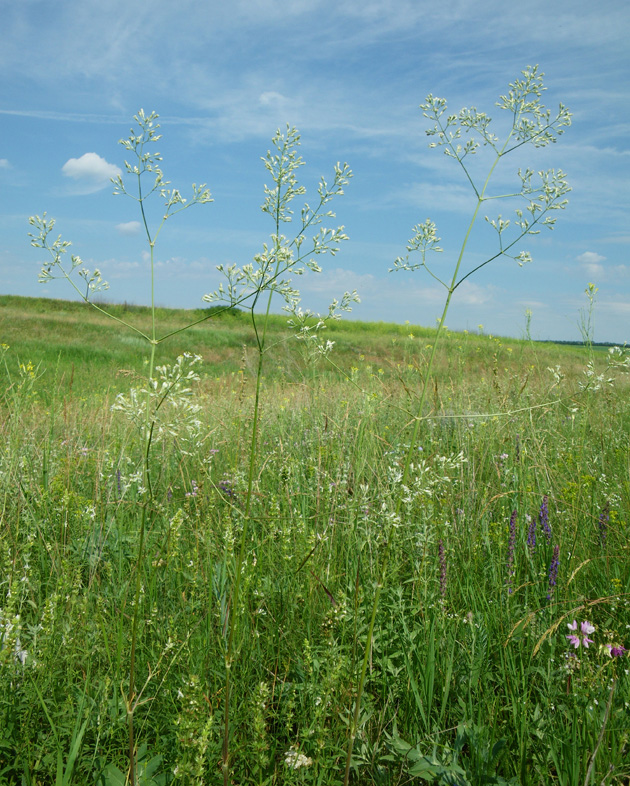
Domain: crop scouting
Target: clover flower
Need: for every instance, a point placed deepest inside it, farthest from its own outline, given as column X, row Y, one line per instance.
column 585, row 630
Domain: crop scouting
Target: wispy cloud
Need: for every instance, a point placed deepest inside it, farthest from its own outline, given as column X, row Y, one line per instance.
column 129, row 228
column 590, row 258
column 72, row 117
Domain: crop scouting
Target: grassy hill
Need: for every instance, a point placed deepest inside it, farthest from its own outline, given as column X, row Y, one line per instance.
column 239, row 540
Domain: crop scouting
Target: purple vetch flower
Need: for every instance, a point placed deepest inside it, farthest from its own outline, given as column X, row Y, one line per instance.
column 604, row 518
column 585, row 630
column 194, row 489
column 531, row 532
column 616, row 651
column 226, row 487
column 511, row 547
column 553, row 570
column 543, row 518
column 442, row 558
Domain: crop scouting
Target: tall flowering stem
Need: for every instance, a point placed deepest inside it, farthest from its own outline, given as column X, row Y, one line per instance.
column 145, row 163
column 531, row 123
column 257, row 284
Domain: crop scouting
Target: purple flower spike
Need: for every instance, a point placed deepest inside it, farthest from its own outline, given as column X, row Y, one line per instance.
column 531, row 533
column 543, row 517
column 553, row 570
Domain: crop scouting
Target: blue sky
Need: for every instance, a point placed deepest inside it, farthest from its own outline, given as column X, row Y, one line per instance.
column 350, row 75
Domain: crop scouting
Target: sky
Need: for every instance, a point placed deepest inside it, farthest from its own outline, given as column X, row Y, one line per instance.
column 350, row 75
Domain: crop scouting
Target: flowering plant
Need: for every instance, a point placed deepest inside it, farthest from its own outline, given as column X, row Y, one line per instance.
column 585, row 630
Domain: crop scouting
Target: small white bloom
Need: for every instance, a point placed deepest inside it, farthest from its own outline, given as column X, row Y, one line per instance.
column 294, row 759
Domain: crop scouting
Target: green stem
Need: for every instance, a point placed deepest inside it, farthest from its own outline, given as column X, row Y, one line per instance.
column 405, row 476
column 146, row 477
column 229, row 655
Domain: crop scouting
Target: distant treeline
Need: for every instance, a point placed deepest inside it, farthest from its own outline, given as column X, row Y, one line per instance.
column 582, row 343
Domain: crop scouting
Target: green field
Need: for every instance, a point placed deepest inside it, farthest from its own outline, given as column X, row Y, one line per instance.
column 471, row 677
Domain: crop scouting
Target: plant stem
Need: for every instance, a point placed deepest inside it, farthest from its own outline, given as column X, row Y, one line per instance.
column 408, row 459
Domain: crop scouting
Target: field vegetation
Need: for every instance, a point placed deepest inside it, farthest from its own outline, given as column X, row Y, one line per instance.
column 248, row 548
column 471, row 670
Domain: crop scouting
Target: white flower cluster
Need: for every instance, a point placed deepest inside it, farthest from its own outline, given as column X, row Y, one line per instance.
column 172, row 411
column 10, row 640
column 294, row 759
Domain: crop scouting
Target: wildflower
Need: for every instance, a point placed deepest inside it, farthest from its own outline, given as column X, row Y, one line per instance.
column 553, row 570
column 531, row 533
column 585, row 630
column 543, row 518
column 511, row 546
column 294, row 759
column 226, row 487
column 194, row 487
column 615, row 652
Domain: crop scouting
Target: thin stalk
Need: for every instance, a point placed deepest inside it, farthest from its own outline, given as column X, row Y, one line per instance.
column 407, row 466
column 229, row 655
column 148, row 432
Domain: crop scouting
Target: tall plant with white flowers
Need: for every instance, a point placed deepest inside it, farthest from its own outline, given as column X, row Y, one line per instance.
column 163, row 406
column 537, row 196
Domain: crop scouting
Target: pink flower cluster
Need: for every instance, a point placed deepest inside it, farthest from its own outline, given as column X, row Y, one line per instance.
column 585, row 630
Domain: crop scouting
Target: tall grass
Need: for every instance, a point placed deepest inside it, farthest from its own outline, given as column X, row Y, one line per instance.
column 260, row 563
column 465, row 651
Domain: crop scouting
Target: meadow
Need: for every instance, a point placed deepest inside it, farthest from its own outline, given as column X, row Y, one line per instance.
column 243, row 547
column 522, row 461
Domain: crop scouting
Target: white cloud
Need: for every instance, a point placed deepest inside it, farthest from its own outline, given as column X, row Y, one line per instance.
column 4, row 163
column 129, row 228
column 590, row 258
column 270, row 97
column 90, row 170
column 590, row 263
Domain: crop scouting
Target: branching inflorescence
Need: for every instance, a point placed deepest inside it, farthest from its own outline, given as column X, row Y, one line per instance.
column 538, row 196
